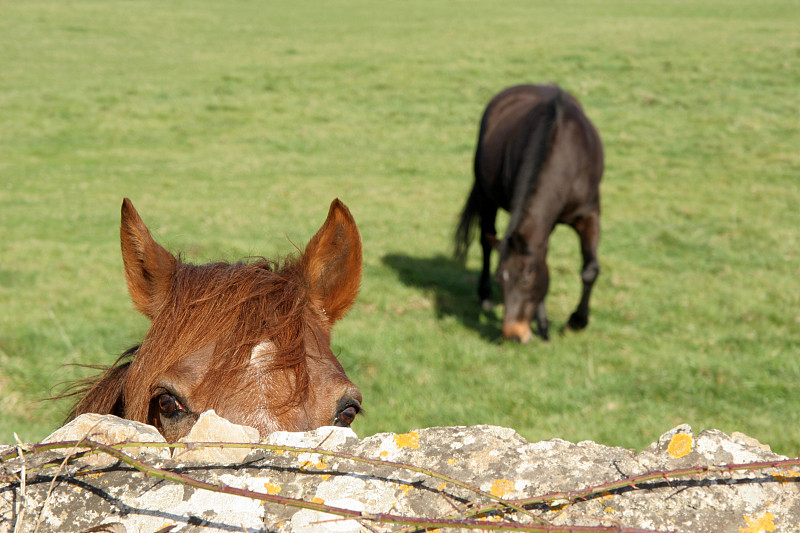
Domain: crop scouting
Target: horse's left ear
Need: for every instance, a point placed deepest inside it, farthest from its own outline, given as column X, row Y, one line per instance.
column 332, row 262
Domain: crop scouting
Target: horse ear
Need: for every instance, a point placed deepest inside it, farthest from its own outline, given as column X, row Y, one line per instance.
column 332, row 262
column 518, row 243
column 149, row 268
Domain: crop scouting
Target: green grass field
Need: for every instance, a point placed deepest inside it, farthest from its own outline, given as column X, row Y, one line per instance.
column 232, row 125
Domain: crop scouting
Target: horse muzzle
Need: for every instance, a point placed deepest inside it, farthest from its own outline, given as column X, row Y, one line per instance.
column 517, row 331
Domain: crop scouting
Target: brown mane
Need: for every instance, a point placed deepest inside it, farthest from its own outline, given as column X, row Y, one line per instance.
column 221, row 304
column 226, row 305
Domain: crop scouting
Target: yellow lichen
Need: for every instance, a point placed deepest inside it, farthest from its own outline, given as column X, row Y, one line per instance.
column 272, row 488
column 680, row 445
column 759, row 524
column 786, row 476
column 318, row 500
column 501, row 487
column 384, row 453
column 407, row 440
column 322, row 465
column 442, row 485
column 92, row 475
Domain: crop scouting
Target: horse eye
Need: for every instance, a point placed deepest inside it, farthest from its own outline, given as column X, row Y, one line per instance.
column 346, row 416
column 168, row 404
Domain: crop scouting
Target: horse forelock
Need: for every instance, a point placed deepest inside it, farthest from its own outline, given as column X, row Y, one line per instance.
column 234, row 308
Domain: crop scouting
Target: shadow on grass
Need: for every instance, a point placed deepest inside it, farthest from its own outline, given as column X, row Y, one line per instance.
column 453, row 287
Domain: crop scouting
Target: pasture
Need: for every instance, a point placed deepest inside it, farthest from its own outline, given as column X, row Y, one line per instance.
column 233, row 125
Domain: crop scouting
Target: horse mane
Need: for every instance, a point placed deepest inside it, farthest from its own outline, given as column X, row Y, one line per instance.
column 525, row 159
column 230, row 306
column 99, row 393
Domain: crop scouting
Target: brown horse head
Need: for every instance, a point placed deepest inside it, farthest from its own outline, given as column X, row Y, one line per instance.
column 249, row 340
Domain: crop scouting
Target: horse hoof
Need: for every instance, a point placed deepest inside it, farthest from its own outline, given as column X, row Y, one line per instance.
column 487, row 305
column 577, row 322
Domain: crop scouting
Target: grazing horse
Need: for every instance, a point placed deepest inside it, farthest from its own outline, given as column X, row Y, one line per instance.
column 249, row 340
column 540, row 158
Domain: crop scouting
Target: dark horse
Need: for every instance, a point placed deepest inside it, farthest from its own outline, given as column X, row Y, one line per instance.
column 541, row 159
column 249, row 340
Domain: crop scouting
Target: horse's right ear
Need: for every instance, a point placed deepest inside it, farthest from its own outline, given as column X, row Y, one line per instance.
column 149, row 268
column 517, row 243
column 332, row 262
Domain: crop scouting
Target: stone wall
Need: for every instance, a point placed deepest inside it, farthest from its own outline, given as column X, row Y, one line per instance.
column 458, row 472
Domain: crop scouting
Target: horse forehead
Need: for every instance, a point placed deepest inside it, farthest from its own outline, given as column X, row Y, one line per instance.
column 196, row 364
column 264, row 352
column 320, row 360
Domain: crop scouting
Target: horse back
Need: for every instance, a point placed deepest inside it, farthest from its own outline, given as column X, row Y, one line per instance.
column 570, row 182
column 506, row 133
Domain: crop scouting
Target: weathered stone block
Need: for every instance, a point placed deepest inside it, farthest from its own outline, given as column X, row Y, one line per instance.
column 411, row 475
column 109, row 429
column 210, row 427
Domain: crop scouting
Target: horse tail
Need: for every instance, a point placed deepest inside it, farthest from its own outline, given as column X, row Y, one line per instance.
column 465, row 231
column 546, row 118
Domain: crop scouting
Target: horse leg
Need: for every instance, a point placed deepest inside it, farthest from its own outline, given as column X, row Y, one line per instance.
column 488, row 240
column 588, row 229
column 542, row 324
column 542, row 284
